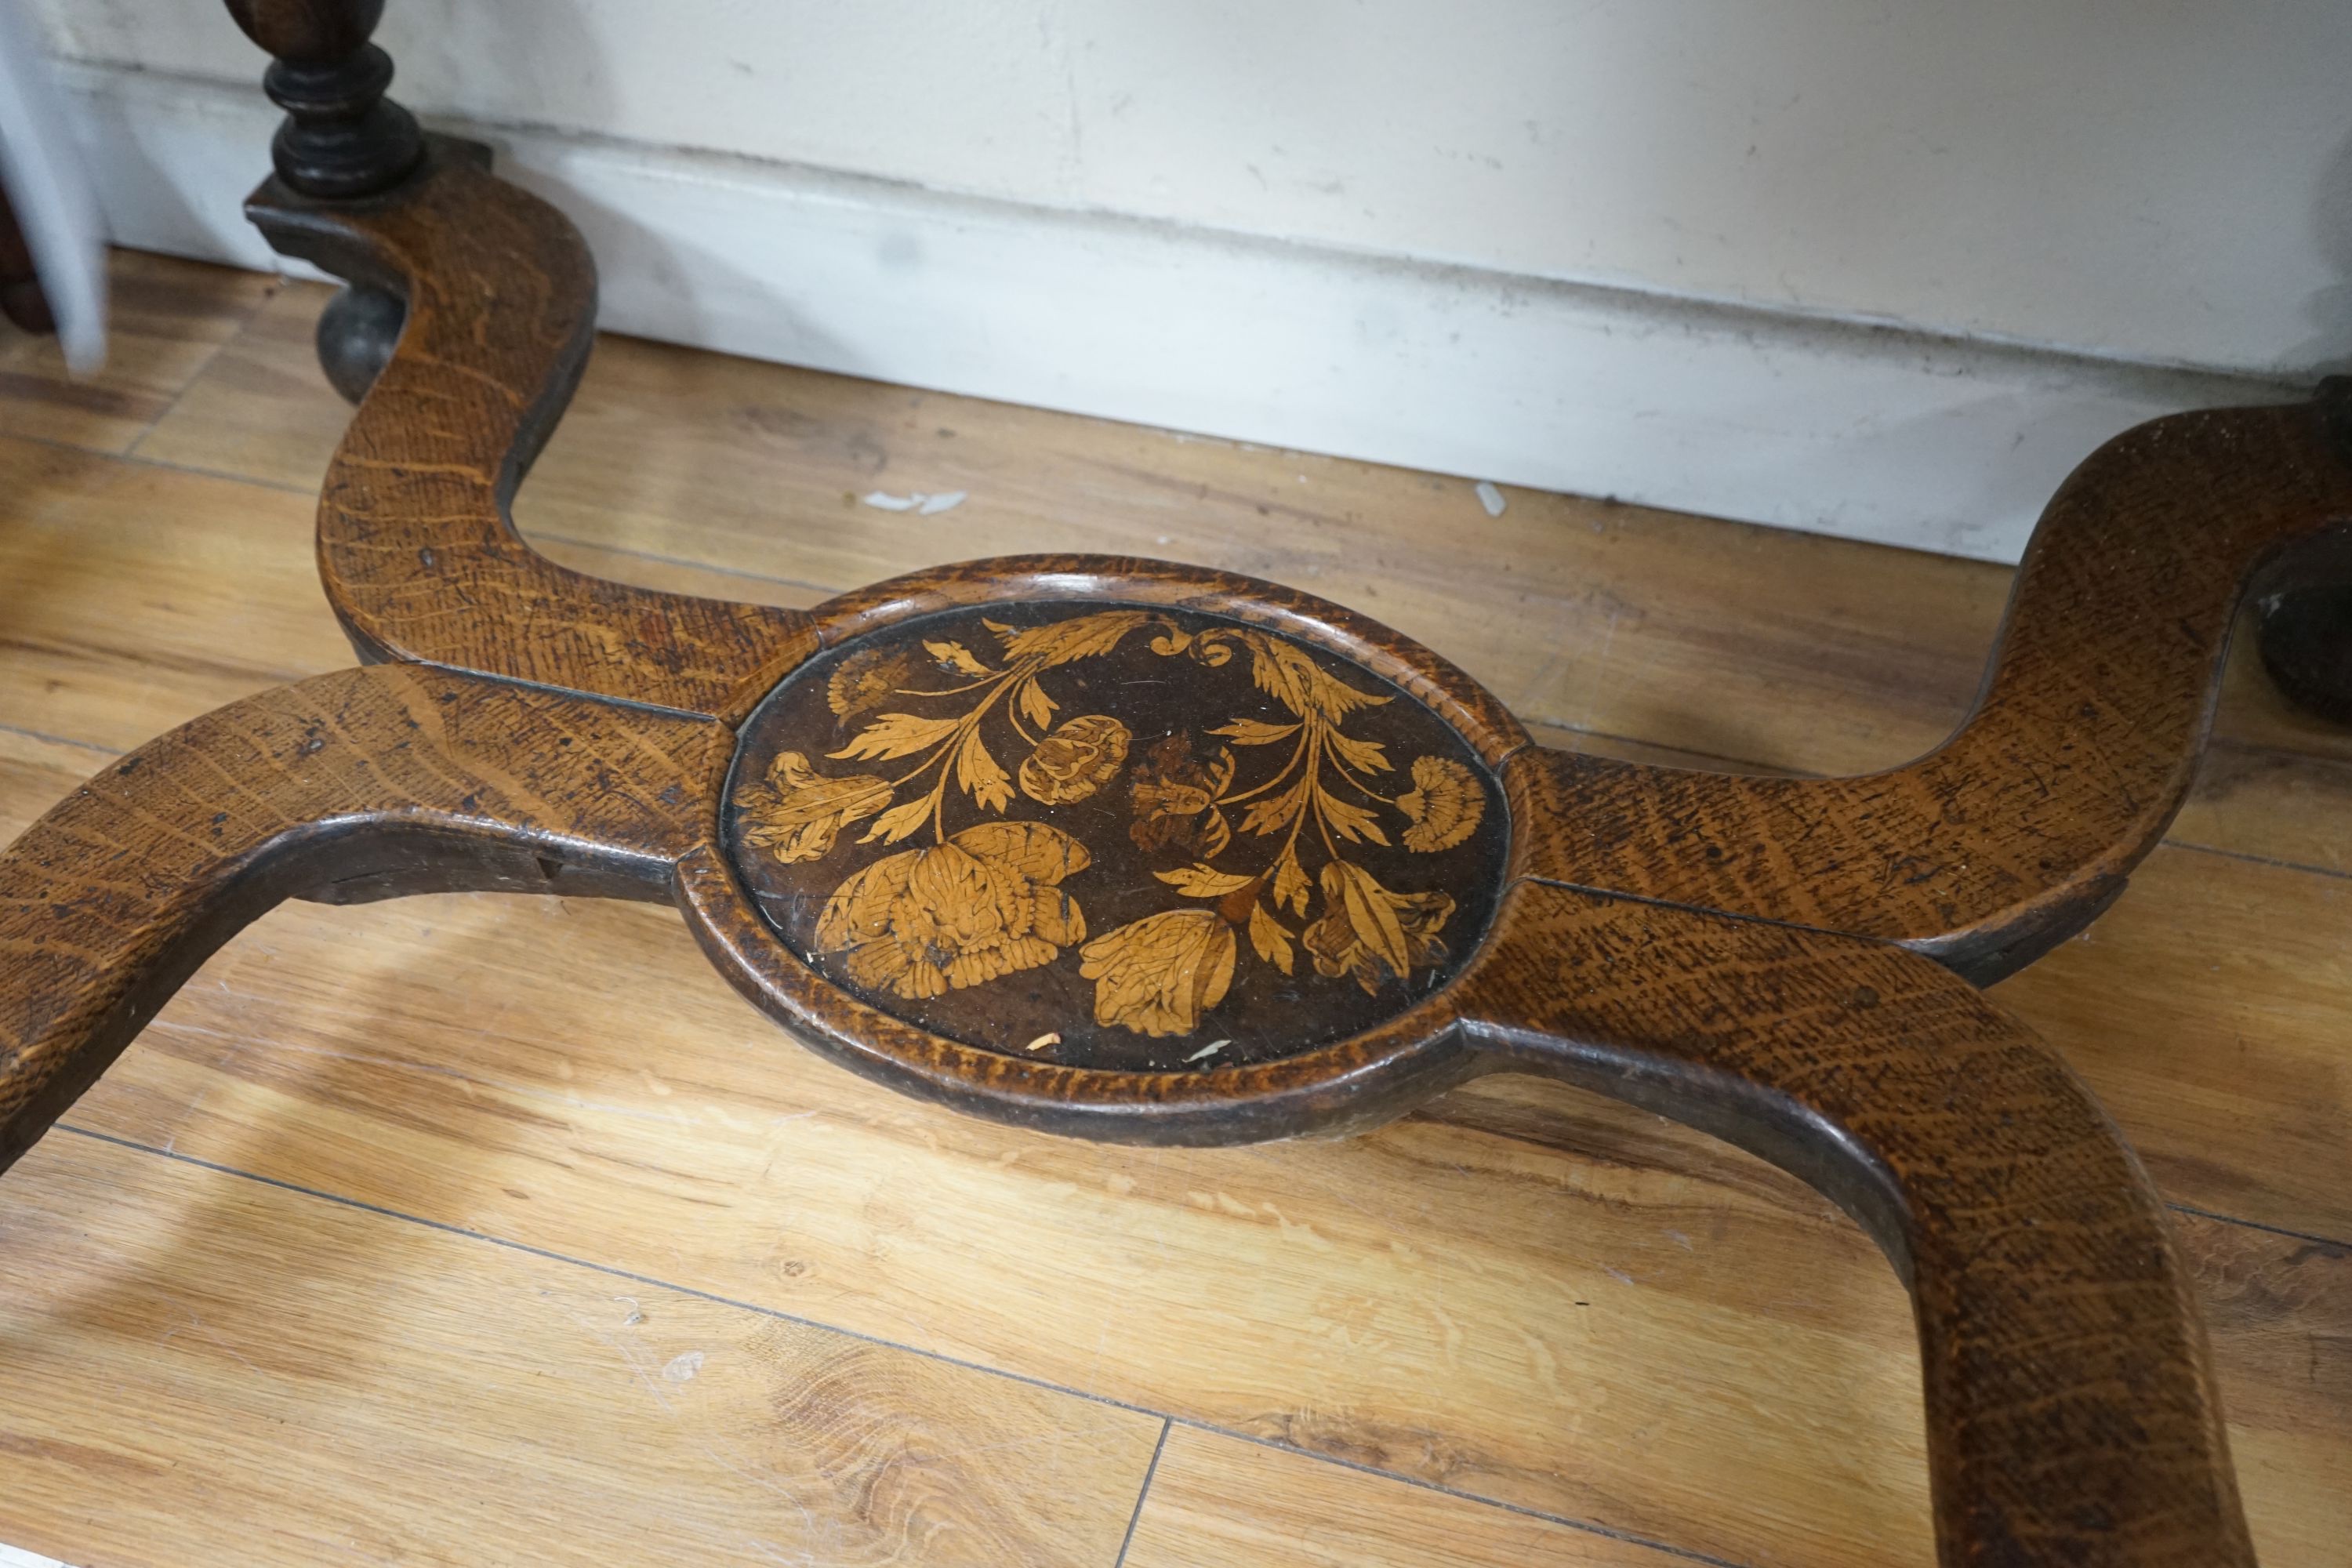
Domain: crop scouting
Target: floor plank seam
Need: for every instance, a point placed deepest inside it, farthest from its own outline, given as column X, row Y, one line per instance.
column 1568, row 727
column 1143, row 1492
column 161, row 465
column 937, row 1357
column 44, row 737
column 2270, row 861
column 736, row 574
column 1587, row 1526
column 245, row 324
column 2291, row 1234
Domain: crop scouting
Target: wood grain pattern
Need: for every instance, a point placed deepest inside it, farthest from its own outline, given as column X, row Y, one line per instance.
column 1406, row 1300
column 2019, row 829
column 1217, row 1500
column 2070, row 1417
column 418, row 556
column 206, row 1370
column 394, row 778
column 165, row 320
column 1596, row 623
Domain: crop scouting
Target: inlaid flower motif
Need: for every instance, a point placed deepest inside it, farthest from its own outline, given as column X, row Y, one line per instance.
column 798, row 812
column 984, row 904
column 1075, row 760
column 1158, row 975
column 1445, row 804
column 1371, row 934
column 867, row 679
column 1175, row 800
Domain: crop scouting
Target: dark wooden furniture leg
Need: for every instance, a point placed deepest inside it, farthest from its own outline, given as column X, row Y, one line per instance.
column 963, row 832
column 21, row 299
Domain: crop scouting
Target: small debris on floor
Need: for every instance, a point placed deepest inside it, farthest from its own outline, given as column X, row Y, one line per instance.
column 919, row 504
column 1489, row 495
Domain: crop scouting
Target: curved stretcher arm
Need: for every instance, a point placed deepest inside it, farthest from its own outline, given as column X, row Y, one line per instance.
column 2072, row 1417
column 2018, row 830
column 416, row 548
column 394, row 774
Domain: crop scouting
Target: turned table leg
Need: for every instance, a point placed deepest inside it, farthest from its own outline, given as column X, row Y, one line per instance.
column 342, row 138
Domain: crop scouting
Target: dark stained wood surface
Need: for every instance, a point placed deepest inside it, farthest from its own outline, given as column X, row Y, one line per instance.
column 1115, row 836
column 341, row 138
column 416, row 548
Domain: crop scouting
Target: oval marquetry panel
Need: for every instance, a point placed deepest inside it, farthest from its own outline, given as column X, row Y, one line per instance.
column 1116, row 836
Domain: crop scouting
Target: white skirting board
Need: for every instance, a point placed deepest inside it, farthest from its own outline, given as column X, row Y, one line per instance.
column 1868, row 431
column 18, row 1557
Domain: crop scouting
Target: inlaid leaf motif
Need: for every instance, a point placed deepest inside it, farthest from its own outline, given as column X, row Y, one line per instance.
column 1288, row 676
column 1080, row 636
column 1254, row 731
column 1364, row 756
column 1158, row 975
column 1036, row 706
column 989, row 786
column 1204, row 881
column 956, row 657
column 1290, row 883
column 1270, row 938
column 798, row 813
column 1351, row 821
column 902, row 821
column 1273, row 813
column 899, row 735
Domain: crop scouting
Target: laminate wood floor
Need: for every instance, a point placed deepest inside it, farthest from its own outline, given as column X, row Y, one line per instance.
column 476, row 1230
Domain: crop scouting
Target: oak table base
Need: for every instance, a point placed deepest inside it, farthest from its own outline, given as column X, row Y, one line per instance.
column 1133, row 851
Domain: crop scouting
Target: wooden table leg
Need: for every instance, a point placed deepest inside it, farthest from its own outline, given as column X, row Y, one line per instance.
column 2071, row 1412
column 394, row 778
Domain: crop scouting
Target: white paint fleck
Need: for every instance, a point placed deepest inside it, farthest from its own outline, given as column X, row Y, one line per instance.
column 917, row 501
column 1211, row 1049
column 1491, row 497
column 682, row 1369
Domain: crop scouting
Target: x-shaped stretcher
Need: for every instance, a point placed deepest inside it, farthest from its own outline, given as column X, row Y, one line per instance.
column 1147, row 853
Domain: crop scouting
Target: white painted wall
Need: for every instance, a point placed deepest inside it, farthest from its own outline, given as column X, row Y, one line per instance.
column 2143, row 182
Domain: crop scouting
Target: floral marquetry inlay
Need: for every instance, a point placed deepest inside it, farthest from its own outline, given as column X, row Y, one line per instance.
column 1115, row 836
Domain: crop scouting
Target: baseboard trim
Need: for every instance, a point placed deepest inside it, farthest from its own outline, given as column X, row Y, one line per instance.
column 1867, row 431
